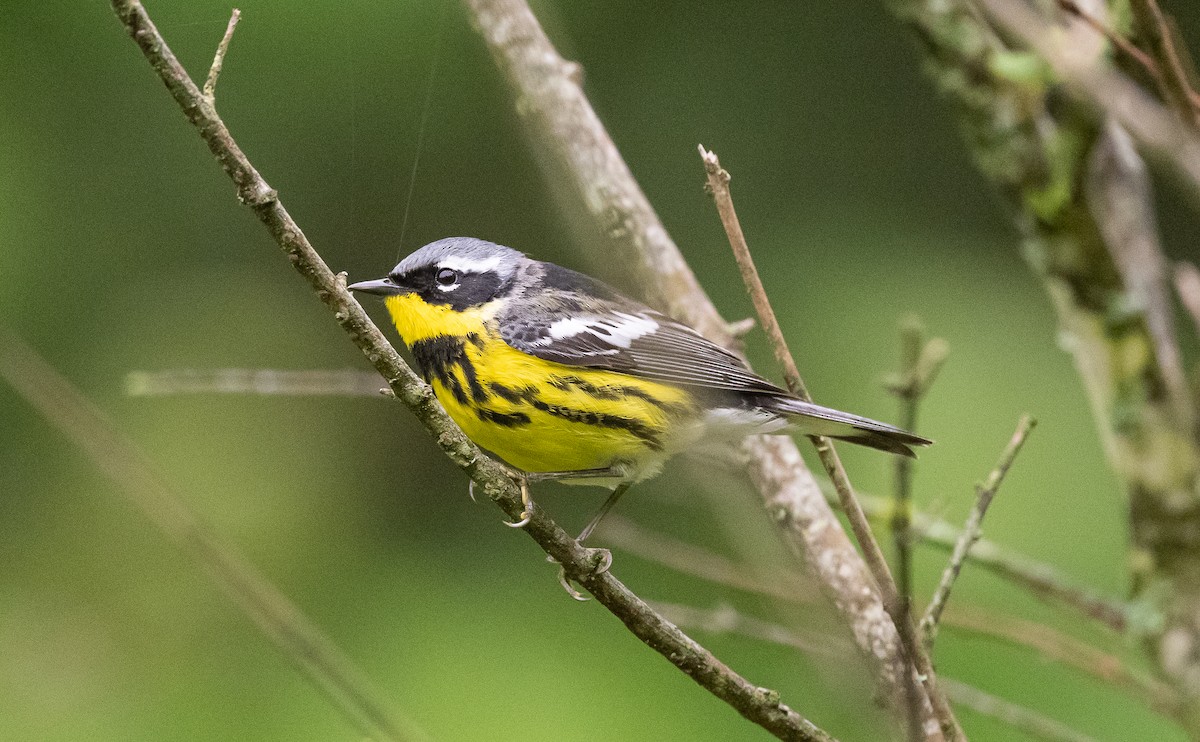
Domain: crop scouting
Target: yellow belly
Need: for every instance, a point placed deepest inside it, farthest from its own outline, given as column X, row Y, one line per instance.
column 539, row 415
column 562, row 418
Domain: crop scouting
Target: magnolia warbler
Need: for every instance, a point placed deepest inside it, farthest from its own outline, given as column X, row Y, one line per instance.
column 566, row 379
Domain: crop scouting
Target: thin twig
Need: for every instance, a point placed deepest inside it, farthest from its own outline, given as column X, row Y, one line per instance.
column 693, row 560
column 697, row 561
column 256, row 381
column 1148, row 121
column 592, row 183
column 1067, row 651
column 1158, row 34
column 920, row 362
column 283, row 623
column 1122, row 44
column 727, row 620
column 1041, row 579
column 970, row 533
column 757, row 704
column 1016, row 716
column 718, row 184
column 210, row 84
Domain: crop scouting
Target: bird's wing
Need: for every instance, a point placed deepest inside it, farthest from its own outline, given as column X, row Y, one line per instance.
column 621, row 335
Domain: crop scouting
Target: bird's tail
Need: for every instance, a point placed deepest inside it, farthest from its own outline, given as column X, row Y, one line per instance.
column 811, row 419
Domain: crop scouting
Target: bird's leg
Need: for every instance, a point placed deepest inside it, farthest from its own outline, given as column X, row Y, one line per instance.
column 620, row 489
column 523, row 479
column 526, row 503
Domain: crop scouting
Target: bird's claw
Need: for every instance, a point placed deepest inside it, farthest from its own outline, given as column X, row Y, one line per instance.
column 526, row 516
column 526, row 502
column 601, row 560
column 566, row 585
column 471, row 490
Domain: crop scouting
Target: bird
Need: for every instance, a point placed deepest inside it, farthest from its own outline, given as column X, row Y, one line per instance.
column 565, row 378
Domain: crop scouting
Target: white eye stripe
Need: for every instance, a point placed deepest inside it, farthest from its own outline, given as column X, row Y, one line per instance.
column 467, row 265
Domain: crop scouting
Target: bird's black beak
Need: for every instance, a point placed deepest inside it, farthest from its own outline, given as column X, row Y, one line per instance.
column 379, row 286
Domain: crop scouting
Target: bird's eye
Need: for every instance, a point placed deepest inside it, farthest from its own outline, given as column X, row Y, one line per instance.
column 447, row 277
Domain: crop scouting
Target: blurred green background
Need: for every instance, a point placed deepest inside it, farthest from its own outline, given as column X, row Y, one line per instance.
column 122, row 247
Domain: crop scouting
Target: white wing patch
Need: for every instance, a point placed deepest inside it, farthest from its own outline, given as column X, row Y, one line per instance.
column 467, row 265
column 618, row 329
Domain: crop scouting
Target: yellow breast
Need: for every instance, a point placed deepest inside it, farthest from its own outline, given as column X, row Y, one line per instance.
column 536, row 414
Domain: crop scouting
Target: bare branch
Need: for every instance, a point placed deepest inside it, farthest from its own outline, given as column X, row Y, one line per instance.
column 1039, row 578
column 757, row 704
column 718, row 184
column 726, row 620
column 970, row 533
column 702, row 563
column 280, row 620
column 1019, row 717
column 258, row 381
column 1157, row 33
column 1067, row 651
column 693, row 560
column 1122, row 44
column 920, row 362
column 210, row 84
column 593, row 179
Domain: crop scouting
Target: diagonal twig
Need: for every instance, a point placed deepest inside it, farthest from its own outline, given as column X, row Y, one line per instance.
column 696, row 561
column 1014, row 715
column 1157, row 33
column 1039, row 578
column 757, row 704
column 1053, row 645
column 589, row 179
column 970, row 533
column 1067, row 651
column 214, row 72
column 278, row 618
column 718, row 184
column 1122, row 44
column 726, row 620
